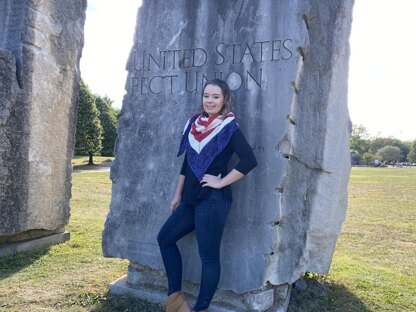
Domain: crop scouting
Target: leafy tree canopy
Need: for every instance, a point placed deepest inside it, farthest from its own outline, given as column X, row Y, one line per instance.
column 108, row 119
column 89, row 129
column 368, row 158
column 389, row 153
column 379, row 142
column 412, row 153
column 359, row 142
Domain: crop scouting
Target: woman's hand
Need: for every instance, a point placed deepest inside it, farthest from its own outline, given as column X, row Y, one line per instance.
column 212, row 181
column 174, row 203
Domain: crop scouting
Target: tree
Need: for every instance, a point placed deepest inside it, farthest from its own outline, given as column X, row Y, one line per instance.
column 412, row 153
column 359, row 142
column 89, row 130
column 368, row 158
column 108, row 119
column 379, row 142
column 389, row 153
column 355, row 158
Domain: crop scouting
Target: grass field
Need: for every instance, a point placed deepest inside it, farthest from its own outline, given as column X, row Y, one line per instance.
column 81, row 162
column 374, row 264
column 373, row 269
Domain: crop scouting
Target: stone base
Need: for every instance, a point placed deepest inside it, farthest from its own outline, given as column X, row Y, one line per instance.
column 149, row 285
column 33, row 244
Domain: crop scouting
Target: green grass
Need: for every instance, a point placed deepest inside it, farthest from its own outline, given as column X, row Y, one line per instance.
column 81, row 162
column 374, row 264
column 373, row 268
column 72, row 276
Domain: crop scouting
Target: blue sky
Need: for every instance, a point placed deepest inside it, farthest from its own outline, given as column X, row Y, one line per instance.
column 382, row 64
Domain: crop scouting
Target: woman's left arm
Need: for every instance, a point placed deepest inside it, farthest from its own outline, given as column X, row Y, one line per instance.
column 247, row 161
column 216, row 181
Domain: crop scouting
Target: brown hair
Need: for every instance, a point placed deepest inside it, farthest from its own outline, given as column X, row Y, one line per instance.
column 226, row 92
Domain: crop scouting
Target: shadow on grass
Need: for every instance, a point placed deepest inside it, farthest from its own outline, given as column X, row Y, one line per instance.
column 97, row 302
column 101, row 166
column 321, row 296
column 12, row 264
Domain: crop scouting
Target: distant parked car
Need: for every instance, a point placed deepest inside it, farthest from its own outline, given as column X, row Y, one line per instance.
column 377, row 163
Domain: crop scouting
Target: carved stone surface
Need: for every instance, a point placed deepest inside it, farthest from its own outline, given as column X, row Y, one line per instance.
column 287, row 62
column 40, row 48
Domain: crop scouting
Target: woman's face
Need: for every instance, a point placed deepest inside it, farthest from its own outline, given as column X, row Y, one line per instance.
column 212, row 100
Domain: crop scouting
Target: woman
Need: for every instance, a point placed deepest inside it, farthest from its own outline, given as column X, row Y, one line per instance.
column 203, row 193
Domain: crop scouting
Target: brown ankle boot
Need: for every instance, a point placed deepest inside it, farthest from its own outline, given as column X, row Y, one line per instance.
column 177, row 303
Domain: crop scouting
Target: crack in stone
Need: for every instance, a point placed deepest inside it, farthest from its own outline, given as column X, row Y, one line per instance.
column 182, row 26
column 291, row 119
column 294, row 86
column 34, row 9
column 301, row 52
column 31, row 45
column 285, row 148
column 308, row 165
column 306, row 20
column 32, row 27
column 278, row 189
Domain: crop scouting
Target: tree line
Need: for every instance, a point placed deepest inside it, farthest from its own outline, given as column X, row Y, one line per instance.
column 366, row 149
column 97, row 132
column 96, row 124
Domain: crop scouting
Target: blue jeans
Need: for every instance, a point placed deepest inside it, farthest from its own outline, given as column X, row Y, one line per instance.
column 207, row 217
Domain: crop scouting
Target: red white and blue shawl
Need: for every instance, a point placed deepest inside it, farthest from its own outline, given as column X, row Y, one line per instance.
column 204, row 138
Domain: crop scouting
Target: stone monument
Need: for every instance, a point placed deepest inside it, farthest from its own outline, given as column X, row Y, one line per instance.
column 40, row 49
column 287, row 62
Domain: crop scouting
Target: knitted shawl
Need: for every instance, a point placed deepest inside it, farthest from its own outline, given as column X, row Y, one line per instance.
column 203, row 146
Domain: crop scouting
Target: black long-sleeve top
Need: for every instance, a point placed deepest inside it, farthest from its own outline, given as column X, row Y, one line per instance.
column 193, row 190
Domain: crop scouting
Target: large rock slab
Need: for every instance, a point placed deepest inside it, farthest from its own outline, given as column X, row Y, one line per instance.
column 40, row 48
column 287, row 62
